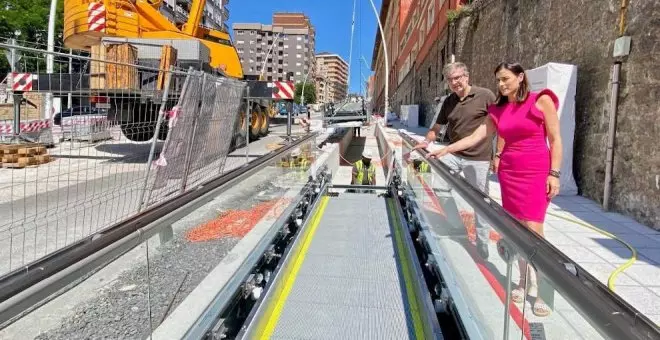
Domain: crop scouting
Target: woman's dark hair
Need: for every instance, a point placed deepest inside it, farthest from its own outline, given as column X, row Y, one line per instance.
column 523, row 90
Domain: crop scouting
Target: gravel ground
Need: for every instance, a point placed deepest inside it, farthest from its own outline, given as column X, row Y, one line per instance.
column 120, row 309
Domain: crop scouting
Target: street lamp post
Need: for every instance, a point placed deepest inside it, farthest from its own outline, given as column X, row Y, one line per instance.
column 302, row 95
column 387, row 64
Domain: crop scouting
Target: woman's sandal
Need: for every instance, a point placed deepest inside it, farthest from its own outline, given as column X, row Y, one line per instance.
column 541, row 309
column 518, row 295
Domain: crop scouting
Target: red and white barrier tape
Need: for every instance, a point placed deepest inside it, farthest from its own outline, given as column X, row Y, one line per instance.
column 29, row 126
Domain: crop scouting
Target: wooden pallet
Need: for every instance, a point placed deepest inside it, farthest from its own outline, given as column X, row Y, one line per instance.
column 18, row 156
column 167, row 58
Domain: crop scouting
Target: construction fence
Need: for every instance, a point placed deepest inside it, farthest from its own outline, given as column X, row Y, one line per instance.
column 127, row 135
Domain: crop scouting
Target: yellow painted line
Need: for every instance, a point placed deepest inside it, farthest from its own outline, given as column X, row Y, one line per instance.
column 269, row 320
column 415, row 309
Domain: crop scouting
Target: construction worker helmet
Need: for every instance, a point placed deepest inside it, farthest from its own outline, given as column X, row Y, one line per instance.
column 367, row 154
column 295, row 152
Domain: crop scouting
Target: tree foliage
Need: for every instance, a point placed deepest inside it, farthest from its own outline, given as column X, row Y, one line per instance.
column 30, row 18
column 310, row 93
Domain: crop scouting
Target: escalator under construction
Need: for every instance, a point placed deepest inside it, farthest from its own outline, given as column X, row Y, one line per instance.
column 357, row 262
column 350, row 267
column 366, row 262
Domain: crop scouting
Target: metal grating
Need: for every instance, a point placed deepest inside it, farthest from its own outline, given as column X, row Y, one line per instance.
column 349, row 285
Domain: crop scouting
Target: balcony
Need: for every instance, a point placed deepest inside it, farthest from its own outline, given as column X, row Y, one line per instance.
column 225, row 14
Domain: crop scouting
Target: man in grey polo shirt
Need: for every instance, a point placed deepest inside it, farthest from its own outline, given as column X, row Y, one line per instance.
column 463, row 111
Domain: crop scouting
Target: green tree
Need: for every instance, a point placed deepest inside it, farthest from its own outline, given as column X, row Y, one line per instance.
column 30, row 18
column 310, row 93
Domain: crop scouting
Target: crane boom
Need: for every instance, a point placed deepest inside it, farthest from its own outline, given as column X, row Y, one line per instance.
column 194, row 17
column 86, row 22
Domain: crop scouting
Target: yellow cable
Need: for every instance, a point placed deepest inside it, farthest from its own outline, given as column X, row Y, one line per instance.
column 621, row 268
column 618, row 270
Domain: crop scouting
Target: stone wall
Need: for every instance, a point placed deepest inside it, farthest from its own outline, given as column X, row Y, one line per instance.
column 581, row 33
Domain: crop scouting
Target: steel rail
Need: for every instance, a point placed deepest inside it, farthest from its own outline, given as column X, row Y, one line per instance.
column 25, row 287
column 608, row 313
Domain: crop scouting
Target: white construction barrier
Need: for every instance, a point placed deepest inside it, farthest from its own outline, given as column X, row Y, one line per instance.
column 562, row 80
column 89, row 128
column 38, row 130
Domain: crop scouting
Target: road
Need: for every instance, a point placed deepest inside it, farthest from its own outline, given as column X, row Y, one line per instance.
column 86, row 189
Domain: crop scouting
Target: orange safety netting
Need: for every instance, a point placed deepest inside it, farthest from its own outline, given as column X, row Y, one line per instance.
column 470, row 226
column 237, row 223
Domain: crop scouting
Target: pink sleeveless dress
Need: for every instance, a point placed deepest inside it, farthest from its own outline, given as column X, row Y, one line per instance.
column 525, row 159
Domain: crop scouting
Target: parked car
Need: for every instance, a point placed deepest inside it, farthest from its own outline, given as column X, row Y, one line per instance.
column 77, row 111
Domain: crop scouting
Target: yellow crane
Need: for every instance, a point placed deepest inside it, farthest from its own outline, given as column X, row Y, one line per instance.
column 87, row 22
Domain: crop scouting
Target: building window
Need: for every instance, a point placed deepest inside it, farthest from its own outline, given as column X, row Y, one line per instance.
column 298, row 64
column 299, row 38
column 298, row 56
column 429, row 75
column 431, row 17
column 442, row 63
column 240, row 41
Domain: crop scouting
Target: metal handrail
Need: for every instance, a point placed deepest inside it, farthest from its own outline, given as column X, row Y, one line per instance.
column 608, row 313
column 25, row 287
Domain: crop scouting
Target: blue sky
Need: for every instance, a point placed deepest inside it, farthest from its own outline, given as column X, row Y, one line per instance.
column 332, row 20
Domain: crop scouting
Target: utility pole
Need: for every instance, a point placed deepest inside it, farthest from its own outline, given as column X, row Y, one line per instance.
column 49, row 56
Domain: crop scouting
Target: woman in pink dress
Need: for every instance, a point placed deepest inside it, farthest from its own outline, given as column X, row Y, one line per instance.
column 528, row 171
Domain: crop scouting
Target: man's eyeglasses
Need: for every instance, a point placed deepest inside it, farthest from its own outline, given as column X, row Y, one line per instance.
column 455, row 78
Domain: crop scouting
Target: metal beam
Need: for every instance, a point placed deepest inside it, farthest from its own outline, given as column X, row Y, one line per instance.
column 357, row 117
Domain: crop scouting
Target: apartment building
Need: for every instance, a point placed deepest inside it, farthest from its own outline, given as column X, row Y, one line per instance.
column 281, row 51
column 215, row 16
column 331, row 77
column 299, row 21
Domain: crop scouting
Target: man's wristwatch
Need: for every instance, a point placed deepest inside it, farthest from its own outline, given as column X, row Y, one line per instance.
column 555, row 173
